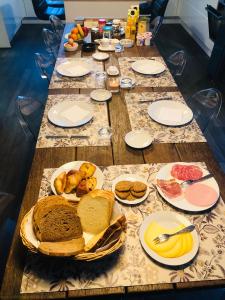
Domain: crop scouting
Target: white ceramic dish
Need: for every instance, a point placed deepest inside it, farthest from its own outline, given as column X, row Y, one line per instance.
column 127, row 43
column 109, row 48
column 138, row 139
column 100, row 56
column 170, row 113
column 101, row 95
column 76, row 68
column 130, row 177
column 70, row 113
column 180, row 202
column 169, row 220
column 75, row 165
column 148, row 67
column 112, row 71
column 70, row 48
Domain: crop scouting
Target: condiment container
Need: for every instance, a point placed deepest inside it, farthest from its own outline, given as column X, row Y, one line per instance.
column 107, row 32
column 94, row 34
column 113, row 84
column 101, row 24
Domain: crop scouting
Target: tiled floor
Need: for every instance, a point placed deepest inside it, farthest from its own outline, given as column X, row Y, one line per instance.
column 18, row 76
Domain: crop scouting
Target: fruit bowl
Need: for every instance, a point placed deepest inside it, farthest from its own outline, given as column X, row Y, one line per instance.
column 68, row 47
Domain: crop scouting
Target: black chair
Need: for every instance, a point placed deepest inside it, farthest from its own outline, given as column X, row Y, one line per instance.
column 45, row 8
column 154, row 8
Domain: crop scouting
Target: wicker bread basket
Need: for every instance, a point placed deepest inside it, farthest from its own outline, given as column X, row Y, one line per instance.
column 32, row 243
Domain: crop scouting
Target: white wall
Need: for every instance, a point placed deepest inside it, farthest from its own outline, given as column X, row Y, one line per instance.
column 172, row 8
column 195, row 20
column 29, row 8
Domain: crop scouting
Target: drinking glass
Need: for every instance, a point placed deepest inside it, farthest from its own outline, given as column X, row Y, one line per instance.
column 105, row 132
column 100, row 79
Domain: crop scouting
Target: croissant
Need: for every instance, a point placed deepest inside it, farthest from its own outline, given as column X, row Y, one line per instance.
column 74, row 177
column 60, row 183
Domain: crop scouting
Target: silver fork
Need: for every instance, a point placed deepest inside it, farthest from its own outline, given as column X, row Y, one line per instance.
column 191, row 181
column 165, row 236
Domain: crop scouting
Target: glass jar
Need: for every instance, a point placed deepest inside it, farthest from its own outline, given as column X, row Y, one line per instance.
column 100, row 79
column 116, row 31
column 95, row 34
column 107, row 32
column 101, row 24
column 113, row 84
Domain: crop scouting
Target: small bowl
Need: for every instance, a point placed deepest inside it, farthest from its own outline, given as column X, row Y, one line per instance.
column 88, row 47
column 69, row 48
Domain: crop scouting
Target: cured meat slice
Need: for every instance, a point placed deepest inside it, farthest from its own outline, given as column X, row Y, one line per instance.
column 170, row 188
column 186, row 172
column 200, row 194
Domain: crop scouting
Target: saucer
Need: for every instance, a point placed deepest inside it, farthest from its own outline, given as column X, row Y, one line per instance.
column 112, row 71
column 138, row 139
column 101, row 95
column 100, row 56
column 106, row 48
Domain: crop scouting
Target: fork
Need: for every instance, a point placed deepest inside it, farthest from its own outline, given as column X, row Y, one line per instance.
column 165, row 236
column 191, row 181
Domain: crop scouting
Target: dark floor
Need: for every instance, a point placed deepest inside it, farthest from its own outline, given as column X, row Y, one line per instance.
column 18, row 76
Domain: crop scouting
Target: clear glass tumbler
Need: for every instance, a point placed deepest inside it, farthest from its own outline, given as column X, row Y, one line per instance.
column 100, row 80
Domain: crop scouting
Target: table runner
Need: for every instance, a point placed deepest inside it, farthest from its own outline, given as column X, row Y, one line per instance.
column 88, row 81
column 139, row 119
column 131, row 265
column 164, row 79
column 91, row 129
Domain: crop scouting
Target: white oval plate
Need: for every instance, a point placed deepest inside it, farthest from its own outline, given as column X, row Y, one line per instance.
column 180, row 202
column 75, row 165
column 138, row 139
column 73, row 68
column 169, row 219
column 70, row 113
column 100, row 56
column 101, row 95
column 148, row 67
column 107, row 48
column 170, row 113
column 112, row 71
column 130, row 177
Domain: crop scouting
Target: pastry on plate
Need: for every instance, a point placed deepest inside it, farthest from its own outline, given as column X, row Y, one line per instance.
column 73, row 179
column 138, row 189
column 85, row 186
column 60, row 183
column 88, row 169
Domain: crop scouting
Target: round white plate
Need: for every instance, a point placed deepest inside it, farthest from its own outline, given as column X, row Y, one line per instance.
column 73, row 68
column 148, row 67
column 75, row 165
column 180, row 202
column 111, row 41
column 169, row 220
column 101, row 95
column 130, row 177
column 112, row 71
column 70, row 113
column 170, row 113
column 100, row 56
column 138, row 139
column 107, row 48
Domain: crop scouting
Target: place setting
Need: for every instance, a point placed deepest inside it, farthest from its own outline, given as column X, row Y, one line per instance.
column 166, row 115
column 74, row 120
column 148, row 72
column 75, row 73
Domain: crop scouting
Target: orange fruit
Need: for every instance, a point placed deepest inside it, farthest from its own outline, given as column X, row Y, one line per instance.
column 74, row 36
column 74, row 30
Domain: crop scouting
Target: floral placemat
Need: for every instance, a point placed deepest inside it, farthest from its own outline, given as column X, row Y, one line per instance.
column 62, row 82
column 90, row 129
column 164, row 79
column 131, row 265
column 139, row 119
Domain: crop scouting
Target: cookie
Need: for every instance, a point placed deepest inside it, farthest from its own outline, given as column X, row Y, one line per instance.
column 122, row 195
column 139, row 187
column 137, row 194
column 131, row 197
column 123, row 186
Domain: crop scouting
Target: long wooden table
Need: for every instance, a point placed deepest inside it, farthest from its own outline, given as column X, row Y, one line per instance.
column 117, row 153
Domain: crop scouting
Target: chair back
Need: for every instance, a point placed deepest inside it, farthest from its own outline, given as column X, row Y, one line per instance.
column 206, row 105
column 26, row 107
column 177, row 62
column 155, row 26
column 43, row 63
column 57, row 26
column 158, row 8
column 51, row 41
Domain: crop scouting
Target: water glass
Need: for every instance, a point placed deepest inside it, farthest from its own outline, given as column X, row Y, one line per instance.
column 100, row 79
column 126, row 83
column 105, row 132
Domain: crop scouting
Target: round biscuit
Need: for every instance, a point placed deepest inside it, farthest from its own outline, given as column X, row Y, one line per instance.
column 138, row 194
column 122, row 195
column 139, row 186
column 123, row 186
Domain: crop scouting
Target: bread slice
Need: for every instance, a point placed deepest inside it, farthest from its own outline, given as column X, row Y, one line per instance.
column 66, row 248
column 55, row 219
column 94, row 213
column 106, row 194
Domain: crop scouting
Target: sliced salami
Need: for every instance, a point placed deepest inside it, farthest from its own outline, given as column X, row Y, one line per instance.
column 186, row 172
column 170, row 188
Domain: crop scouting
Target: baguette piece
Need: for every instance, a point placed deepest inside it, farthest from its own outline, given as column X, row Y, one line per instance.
column 95, row 212
column 66, row 248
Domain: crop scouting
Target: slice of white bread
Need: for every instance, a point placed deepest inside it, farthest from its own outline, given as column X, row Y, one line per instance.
column 106, row 194
column 55, row 219
column 66, row 248
column 95, row 210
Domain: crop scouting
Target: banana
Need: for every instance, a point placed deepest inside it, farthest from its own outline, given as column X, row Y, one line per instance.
column 80, row 30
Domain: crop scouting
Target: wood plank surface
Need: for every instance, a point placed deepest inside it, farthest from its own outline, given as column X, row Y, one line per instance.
column 117, row 153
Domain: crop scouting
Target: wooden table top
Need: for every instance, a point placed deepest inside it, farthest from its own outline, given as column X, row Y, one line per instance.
column 117, row 153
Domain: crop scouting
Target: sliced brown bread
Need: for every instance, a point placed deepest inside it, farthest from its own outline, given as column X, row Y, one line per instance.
column 94, row 212
column 67, row 248
column 55, row 219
